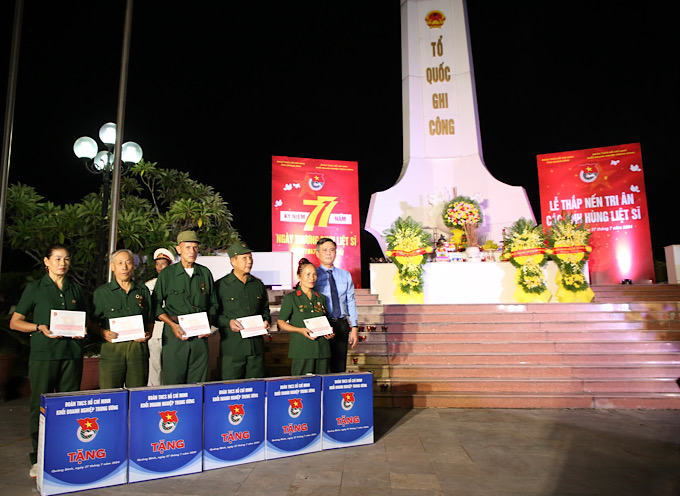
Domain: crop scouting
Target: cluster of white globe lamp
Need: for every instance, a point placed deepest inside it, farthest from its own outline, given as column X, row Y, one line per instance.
column 102, row 162
column 97, row 161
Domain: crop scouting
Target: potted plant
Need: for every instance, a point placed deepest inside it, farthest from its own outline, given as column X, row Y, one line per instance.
column 14, row 351
column 92, row 345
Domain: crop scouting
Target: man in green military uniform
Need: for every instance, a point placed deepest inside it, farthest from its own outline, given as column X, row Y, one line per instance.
column 124, row 363
column 184, row 288
column 240, row 294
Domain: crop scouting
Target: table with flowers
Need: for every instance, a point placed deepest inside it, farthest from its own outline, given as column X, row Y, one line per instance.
column 458, row 282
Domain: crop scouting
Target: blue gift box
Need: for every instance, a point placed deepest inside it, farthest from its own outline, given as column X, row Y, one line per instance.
column 347, row 410
column 82, row 442
column 166, row 434
column 233, row 423
column 293, row 416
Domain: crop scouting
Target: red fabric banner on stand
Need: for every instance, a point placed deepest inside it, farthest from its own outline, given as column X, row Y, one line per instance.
column 605, row 187
column 312, row 199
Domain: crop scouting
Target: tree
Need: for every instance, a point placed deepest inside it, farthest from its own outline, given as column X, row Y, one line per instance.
column 155, row 205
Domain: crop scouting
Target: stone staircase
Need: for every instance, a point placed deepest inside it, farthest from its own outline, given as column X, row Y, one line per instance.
column 641, row 292
column 370, row 354
column 620, row 351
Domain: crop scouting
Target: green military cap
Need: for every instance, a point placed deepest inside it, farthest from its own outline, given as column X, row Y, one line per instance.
column 238, row 248
column 189, row 236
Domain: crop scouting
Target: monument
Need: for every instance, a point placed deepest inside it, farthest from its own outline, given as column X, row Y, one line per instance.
column 442, row 146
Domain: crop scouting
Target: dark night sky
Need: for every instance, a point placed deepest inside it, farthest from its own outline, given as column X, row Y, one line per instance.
column 217, row 90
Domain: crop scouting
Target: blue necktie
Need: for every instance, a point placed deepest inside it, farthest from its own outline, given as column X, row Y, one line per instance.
column 335, row 300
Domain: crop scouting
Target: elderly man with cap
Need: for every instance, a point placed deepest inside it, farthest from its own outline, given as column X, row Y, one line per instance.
column 162, row 258
column 184, row 288
column 240, row 294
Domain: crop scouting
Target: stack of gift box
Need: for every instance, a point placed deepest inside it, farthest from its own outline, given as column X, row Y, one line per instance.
column 103, row 438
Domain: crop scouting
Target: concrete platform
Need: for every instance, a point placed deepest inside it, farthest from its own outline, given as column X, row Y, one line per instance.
column 470, row 452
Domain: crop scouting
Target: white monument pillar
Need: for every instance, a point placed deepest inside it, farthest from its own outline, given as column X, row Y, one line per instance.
column 442, row 147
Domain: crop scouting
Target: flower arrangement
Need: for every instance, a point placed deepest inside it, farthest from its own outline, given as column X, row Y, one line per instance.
column 462, row 210
column 407, row 244
column 465, row 213
column 524, row 246
column 570, row 250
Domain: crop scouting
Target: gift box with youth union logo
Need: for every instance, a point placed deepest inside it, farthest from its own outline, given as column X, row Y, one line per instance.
column 293, row 416
column 166, row 432
column 82, row 442
column 347, row 410
column 233, row 423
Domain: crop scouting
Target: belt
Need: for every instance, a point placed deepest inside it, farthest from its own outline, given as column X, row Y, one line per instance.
column 340, row 319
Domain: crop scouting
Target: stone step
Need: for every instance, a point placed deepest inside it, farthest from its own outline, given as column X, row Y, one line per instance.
column 435, row 347
column 531, row 308
column 499, row 335
column 636, row 292
column 366, row 298
column 651, row 288
column 446, row 327
column 535, row 385
column 536, row 371
column 513, row 400
column 503, row 317
column 669, row 358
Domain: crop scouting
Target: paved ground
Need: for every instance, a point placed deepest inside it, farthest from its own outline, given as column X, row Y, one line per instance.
column 433, row 452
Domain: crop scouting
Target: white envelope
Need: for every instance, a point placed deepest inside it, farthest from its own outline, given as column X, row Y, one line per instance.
column 127, row 328
column 194, row 324
column 67, row 323
column 319, row 326
column 252, row 326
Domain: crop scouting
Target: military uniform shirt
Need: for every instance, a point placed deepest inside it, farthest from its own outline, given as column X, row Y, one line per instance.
column 295, row 308
column 236, row 300
column 111, row 301
column 178, row 294
column 39, row 298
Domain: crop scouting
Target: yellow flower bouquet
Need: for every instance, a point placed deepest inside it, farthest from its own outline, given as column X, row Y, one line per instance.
column 524, row 246
column 407, row 245
column 570, row 251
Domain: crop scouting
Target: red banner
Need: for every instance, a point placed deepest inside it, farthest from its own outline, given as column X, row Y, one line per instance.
column 605, row 187
column 315, row 199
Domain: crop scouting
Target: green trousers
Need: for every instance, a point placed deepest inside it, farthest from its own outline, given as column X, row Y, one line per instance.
column 242, row 367
column 302, row 366
column 184, row 362
column 49, row 376
column 123, row 365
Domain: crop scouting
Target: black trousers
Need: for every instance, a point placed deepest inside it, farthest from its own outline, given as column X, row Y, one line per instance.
column 338, row 344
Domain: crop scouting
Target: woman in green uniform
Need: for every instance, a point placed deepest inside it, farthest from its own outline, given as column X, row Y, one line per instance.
column 55, row 363
column 310, row 355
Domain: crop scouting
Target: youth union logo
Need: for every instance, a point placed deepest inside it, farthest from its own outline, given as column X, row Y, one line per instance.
column 295, row 408
column 87, row 429
column 316, row 181
column 589, row 173
column 168, row 421
column 236, row 414
column 347, row 401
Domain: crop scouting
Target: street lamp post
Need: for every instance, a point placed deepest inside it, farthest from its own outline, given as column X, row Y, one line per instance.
column 102, row 162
